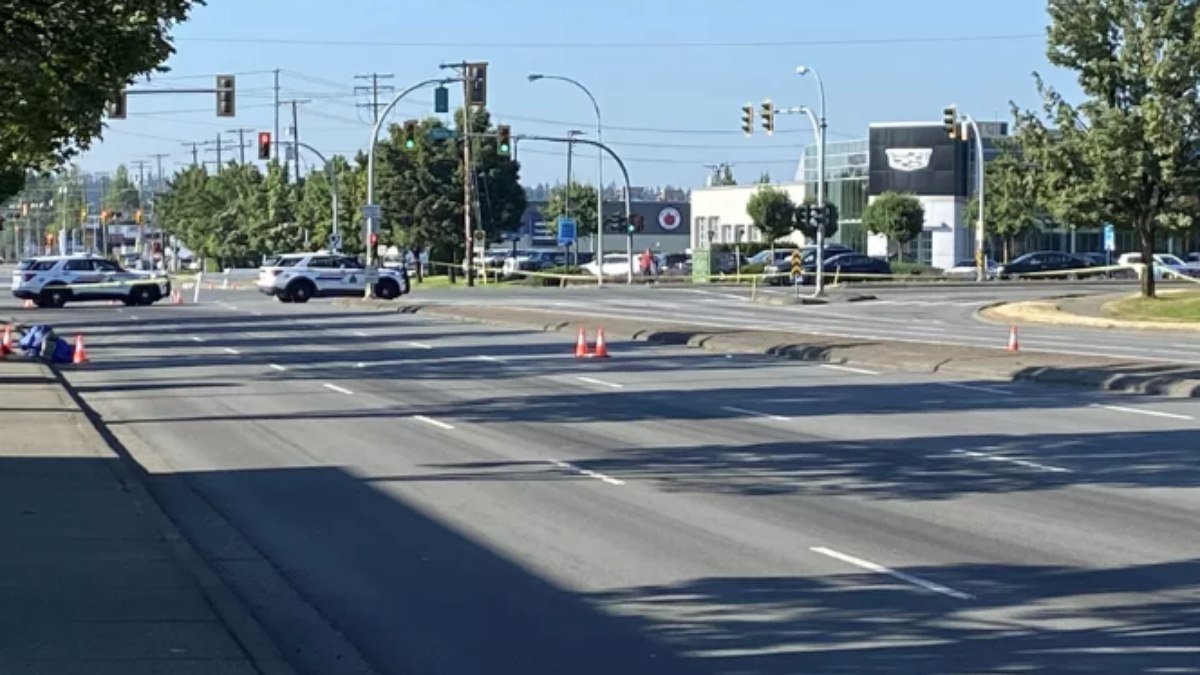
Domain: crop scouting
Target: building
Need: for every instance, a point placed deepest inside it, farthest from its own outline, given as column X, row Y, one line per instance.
column 667, row 227
column 719, row 215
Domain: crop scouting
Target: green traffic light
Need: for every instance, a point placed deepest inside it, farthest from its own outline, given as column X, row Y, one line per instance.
column 410, row 144
column 504, row 149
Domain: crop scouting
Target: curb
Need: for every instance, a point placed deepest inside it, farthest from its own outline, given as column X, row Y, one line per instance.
column 1127, row 382
column 1062, row 318
column 237, row 619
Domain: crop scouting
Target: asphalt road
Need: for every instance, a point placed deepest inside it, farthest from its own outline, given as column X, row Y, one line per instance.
column 932, row 314
column 411, row 495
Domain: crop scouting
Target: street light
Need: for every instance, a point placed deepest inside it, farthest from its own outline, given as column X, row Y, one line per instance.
column 598, row 242
column 803, row 70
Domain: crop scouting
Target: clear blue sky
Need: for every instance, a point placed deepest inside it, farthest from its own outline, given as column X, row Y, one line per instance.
column 882, row 60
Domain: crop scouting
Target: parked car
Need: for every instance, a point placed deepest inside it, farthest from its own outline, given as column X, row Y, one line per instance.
column 1162, row 263
column 1044, row 264
column 782, row 264
column 613, row 264
column 965, row 269
column 843, row 264
column 535, row 260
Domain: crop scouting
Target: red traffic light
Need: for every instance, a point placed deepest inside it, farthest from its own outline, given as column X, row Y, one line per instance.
column 264, row 145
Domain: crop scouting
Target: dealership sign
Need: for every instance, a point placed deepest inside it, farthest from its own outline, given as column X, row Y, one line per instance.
column 909, row 159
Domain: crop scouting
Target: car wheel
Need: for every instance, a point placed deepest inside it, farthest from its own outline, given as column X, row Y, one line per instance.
column 301, row 292
column 387, row 290
column 143, row 295
column 55, row 296
column 284, row 298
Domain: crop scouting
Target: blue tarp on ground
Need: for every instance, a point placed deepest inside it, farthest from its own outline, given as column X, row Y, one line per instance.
column 40, row 341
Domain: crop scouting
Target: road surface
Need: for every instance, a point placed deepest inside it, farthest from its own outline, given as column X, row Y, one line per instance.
column 445, row 497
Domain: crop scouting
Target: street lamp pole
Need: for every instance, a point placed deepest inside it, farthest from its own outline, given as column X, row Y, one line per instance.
column 598, row 241
column 980, row 256
column 820, row 281
column 370, row 292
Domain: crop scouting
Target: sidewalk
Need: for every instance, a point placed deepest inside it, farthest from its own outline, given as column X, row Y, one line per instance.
column 90, row 579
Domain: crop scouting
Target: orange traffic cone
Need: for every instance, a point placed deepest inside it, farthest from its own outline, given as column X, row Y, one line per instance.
column 80, row 353
column 581, row 346
column 6, row 345
column 1013, row 345
column 177, row 298
column 601, row 348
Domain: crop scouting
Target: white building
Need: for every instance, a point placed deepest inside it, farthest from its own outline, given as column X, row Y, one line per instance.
column 719, row 214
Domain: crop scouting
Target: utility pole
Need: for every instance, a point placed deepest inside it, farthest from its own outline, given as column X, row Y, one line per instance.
column 276, row 136
column 374, row 91
column 241, row 143
column 195, row 152
column 296, row 130
column 141, row 167
column 220, row 147
column 158, row 160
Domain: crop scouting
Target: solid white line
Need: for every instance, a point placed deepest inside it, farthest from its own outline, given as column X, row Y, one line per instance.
column 437, row 423
column 359, row 333
column 257, row 313
column 1137, row 411
column 860, row 371
column 880, row 569
column 360, row 364
column 485, row 357
column 602, row 383
column 196, row 338
column 587, row 472
column 133, row 317
column 1011, row 460
column 419, row 345
column 743, row 411
column 276, row 366
column 231, row 350
column 972, row 387
column 340, row 390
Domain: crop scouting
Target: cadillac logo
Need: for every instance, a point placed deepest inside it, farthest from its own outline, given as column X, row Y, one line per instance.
column 909, row 159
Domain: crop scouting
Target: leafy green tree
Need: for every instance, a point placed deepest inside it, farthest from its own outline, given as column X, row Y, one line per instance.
column 897, row 216
column 1129, row 153
column 831, row 225
column 63, row 61
column 583, row 206
column 122, row 195
column 764, row 178
column 314, row 209
column 773, row 212
column 1013, row 204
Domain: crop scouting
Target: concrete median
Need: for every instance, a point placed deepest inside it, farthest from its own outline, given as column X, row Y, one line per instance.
column 867, row 353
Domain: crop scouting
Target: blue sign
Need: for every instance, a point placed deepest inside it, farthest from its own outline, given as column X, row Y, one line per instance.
column 1110, row 238
column 566, row 231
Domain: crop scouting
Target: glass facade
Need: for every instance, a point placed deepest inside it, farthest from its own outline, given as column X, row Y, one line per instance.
column 846, row 183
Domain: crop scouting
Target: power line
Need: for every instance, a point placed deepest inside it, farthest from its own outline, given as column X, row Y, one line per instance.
column 642, row 46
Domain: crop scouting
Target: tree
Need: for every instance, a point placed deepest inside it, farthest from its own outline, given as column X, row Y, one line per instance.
column 897, row 216
column 764, row 178
column 831, row 225
column 1012, row 202
column 122, row 195
column 1129, row 154
column 63, row 61
column 772, row 212
column 583, row 206
column 725, row 176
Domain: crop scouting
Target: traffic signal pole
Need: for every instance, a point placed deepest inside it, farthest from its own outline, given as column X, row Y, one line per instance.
column 628, row 193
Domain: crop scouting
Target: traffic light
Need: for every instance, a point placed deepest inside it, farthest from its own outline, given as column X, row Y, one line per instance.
column 226, row 104
column 768, row 116
column 950, row 121
column 615, row 223
column 504, row 144
column 409, row 135
column 105, row 214
column 819, row 213
column 137, row 216
column 637, row 223
column 803, row 217
column 477, row 84
column 117, row 109
column 748, row 119
column 264, row 145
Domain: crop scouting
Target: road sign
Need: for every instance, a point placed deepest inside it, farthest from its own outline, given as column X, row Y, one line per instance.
column 479, row 235
column 335, row 242
column 371, row 211
column 796, row 264
column 441, row 134
column 1110, row 238
column 567, row 230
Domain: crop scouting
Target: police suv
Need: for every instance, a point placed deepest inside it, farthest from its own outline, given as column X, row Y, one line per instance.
column 53, row 281
column 299, row 277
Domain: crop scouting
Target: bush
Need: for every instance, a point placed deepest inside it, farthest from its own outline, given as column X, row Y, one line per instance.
column 915, row 269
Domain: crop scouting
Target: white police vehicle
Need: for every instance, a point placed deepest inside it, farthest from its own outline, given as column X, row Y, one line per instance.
column 53, row 281
column 299, row 277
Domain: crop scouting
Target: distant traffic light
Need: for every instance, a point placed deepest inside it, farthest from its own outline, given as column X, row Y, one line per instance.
column 138, row 216
column 615, row 223
column 264, row 145
column 950, row 121
column 409, row 135
column 118, row 108
column 504, row 144
column 477, row 84
column 637, row 223
column 768, row 116
column 226, row 102
column 803, row 217
column 819, row 215
column 748, row 119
